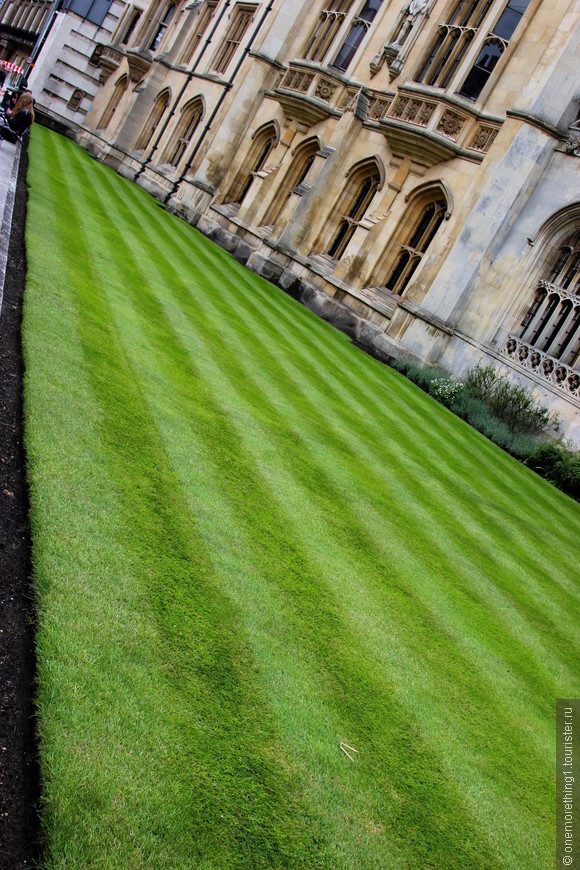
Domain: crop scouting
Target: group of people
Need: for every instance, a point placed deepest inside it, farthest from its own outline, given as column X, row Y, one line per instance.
column 18, row 108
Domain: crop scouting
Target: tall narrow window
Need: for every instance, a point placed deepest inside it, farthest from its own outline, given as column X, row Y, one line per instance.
column 131, row 28
column 552, row 322
column 152, row 121
column 120, row 88
column 297, row 172
column 452, row 42
column 357, row 33
column 416, row 233
column 493, row 48
column 241, row 19
column 162, row 28
column 326, row 29
column 265, row 140
column 363, row 182
column 190, row 118
column 203, row 21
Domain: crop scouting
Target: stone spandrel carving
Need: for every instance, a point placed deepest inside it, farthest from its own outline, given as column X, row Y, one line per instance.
column 408, row 21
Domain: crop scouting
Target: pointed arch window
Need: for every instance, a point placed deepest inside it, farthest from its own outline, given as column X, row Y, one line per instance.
column 133, row 22
column 119, row 90
column 429, row 205
column 205, row 16
column 552, row 322
column 152, row 121
column 265, row 140
column 162, row 27
column 493, row 48
column 364, row 179
column 191, row 115
column 327, row 27
column 359, row 29
column 297, row 172
column 453, row 40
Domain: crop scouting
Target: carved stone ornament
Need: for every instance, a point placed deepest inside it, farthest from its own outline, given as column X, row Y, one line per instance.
column 572, row 145
column 139, row 65
column 450, row 124
column 325, row 90
column 109, row 60
column 390, row 50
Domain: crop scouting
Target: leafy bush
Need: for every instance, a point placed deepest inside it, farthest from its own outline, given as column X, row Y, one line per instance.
column 445, row 390
column 420, row 375
column 558, row 463
column 514, row 405
column 475, row 412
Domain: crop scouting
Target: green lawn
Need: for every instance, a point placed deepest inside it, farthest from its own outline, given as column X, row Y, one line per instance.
column 252, row 541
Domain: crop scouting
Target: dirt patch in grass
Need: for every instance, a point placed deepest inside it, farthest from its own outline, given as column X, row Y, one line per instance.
column 19, row 779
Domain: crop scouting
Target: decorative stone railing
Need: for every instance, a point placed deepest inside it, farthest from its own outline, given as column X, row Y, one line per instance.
column 546, row 367
column 430, row 130
column 310, row 95
column 415, row 120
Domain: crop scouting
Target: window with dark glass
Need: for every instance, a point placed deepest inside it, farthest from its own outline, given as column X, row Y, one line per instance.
column 131, row 28
column 162, row 28
column 552, row 322
column 93, row 10
column 453, row 39
column 241, row 19
column 493, row 48
column 357, row 33
column 411, row 251
column 327, row 26
column 357, row 197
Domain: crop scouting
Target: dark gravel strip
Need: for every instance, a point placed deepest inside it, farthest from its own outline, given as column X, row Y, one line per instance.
column 19, row 773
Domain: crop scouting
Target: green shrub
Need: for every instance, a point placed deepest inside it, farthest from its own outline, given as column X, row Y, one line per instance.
column 475, row 412
column 513, row 404
column 445, row 390
column 420, row 375
column 559, row 464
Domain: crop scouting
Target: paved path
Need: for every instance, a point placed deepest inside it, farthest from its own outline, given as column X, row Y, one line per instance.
column 9, row 161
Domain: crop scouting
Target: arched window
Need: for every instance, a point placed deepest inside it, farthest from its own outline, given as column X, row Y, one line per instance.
column 363, row 181
column 191, row 115
column 552, row 321
column 297, row 171
column 329, row 22
column 133, row 22
column 429, row 204
column 152, row 122
column 426, row 223
column 205, row 16
column 264, row 140
column 359, row 29
column 493, row 48
column 120, row 88
column 453, row 39
column 162, row 27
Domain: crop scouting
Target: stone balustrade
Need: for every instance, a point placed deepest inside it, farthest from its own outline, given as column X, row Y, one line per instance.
column 541, row 364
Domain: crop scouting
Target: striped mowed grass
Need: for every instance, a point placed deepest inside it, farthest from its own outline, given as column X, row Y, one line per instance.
column 251, row 542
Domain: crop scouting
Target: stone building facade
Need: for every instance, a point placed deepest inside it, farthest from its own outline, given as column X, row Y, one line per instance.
column 411, row 173
column 66, row 77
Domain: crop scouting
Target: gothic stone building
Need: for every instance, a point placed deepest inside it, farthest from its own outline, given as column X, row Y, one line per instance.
column 410, row 173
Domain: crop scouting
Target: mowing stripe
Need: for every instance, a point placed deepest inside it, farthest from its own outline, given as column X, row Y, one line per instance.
column 209, row 664
column 275, row 532
column 318, row 567
column 155, row 315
